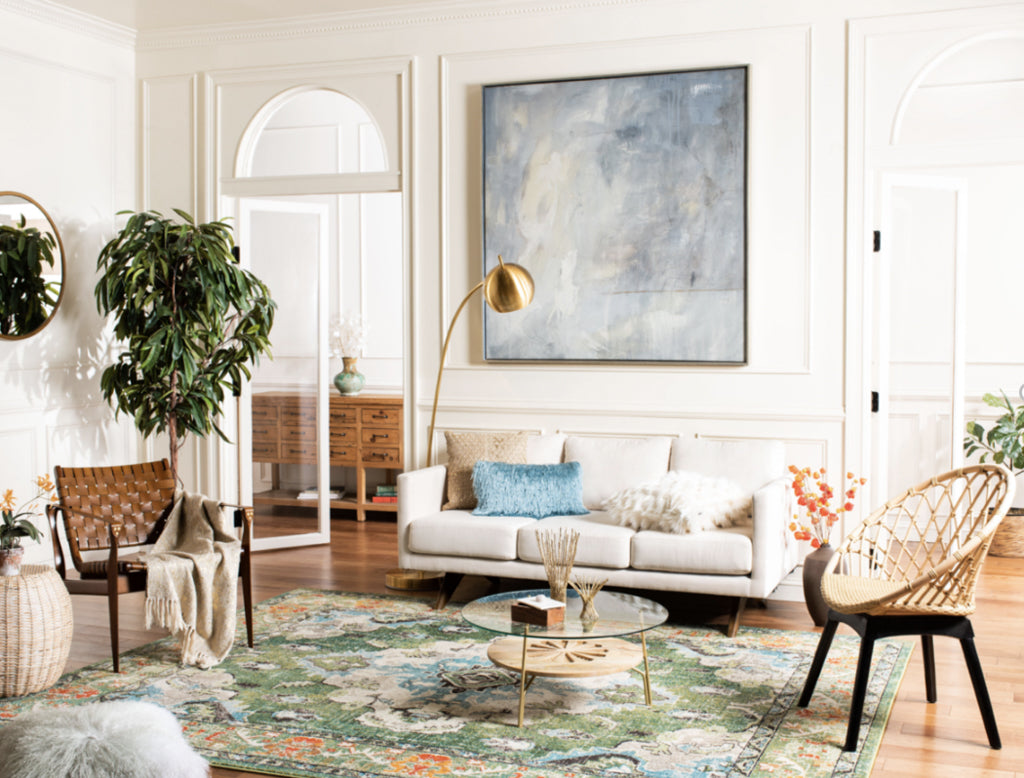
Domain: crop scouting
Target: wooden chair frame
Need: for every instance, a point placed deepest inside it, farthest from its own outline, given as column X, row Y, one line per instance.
column 128, row 507
column 911, row 568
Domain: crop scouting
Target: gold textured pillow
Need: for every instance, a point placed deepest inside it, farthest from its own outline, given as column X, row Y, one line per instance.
column 465, row 449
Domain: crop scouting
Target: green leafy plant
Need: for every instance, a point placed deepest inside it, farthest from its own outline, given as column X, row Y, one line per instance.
column 191, row 321
column 26, row 298
column 14, row 524
column 1004, row 441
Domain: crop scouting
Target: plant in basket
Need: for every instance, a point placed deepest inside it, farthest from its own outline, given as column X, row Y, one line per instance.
column 819, row 507
column 1004, row 442
column 16, row 523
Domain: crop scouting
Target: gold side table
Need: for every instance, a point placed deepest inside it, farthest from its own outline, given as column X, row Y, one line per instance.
column 35, row 630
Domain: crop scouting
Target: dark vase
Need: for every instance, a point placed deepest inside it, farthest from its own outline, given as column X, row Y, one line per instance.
column 814, row 566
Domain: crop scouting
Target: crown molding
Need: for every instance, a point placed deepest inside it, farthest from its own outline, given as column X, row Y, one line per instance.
column 412, row 15
column 73, row 20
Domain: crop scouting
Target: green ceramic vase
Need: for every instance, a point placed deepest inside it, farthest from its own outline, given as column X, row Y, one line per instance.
column 349, row 381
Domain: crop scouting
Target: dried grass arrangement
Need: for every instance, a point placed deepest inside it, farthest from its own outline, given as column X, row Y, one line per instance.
column 558, row 552
column 587, row 588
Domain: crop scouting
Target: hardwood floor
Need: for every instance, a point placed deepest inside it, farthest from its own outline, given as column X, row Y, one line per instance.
column 922, row 740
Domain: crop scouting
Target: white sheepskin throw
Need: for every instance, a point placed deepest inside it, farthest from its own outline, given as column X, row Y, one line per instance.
column 100, row 740
column 681, row 502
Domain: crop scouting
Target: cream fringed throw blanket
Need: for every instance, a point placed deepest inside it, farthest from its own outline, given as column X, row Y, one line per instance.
column 191, row 586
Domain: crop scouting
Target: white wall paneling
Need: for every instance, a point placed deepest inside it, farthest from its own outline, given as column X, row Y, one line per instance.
column 170, row 126
column 781, row 275
column 69, row 141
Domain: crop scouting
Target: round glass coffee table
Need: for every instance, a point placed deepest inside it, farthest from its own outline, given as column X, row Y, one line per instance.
column 572, row 648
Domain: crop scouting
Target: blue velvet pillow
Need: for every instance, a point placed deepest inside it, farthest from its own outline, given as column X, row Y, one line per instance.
column 535, row 491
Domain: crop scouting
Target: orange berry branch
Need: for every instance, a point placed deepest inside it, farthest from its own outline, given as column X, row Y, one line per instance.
column 819, row 503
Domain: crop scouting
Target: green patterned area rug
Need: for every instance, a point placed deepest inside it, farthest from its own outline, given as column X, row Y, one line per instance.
column 357, row 685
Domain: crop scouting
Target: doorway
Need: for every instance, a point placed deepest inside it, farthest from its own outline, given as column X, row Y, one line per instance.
column 943, row 144
column 320, row 221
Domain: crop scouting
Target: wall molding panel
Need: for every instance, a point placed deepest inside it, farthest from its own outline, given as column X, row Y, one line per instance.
column 366, row 21
column 75, row 21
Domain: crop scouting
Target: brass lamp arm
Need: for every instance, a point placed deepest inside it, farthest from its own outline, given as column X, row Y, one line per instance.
column 440, row 370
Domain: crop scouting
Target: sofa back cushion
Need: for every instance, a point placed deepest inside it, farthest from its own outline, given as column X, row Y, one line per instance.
column 612, row 464
column 749, row 463
column 545, row 449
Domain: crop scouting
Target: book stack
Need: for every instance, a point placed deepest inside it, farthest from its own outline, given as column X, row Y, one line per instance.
column 311, row 493
column 386, row 493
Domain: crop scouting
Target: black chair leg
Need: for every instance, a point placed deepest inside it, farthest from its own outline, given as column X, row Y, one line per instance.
column 112, row 610
column 824, row 643
column 928, row 657
column 860, row 689
column 981, row 691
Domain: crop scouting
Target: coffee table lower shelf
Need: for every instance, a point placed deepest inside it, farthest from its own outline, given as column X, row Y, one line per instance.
column 554, row 658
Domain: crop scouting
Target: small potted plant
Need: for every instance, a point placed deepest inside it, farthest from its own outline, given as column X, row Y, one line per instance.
column 17, row 524
column 1004, row 442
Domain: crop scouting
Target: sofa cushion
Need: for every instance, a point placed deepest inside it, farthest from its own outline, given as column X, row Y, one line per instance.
column 728, row 551
column 602, row 543
column 681, row 502
column 465, row 449
column 536, row 491
column 545, row 449
column 460, row 533
column 750, row 463
column 612, row 464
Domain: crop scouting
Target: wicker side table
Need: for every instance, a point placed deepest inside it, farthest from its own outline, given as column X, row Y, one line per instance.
column 35, row 630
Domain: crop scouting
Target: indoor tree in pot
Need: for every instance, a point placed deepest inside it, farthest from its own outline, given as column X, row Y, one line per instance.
column 1004, row 442
column 190, row 319
column 16, row 524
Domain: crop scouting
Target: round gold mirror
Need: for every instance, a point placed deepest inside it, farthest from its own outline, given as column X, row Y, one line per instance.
column 31, row 266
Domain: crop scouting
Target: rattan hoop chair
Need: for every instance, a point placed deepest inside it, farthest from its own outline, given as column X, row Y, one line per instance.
column 910, row 568
column 117, row 508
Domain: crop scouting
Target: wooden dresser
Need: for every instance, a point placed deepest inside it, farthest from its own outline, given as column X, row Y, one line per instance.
column 366, row 434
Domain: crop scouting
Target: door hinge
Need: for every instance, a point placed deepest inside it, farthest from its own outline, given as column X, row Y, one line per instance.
column 874, row 402
column 876, row 241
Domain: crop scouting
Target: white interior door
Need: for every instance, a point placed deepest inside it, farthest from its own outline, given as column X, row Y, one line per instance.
column 918, row 343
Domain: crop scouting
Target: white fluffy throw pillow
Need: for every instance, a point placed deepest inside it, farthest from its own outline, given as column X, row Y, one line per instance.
column 119, row 739
column 681, row 502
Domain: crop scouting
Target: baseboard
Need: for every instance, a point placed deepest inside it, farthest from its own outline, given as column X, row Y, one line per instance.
column 791, row 588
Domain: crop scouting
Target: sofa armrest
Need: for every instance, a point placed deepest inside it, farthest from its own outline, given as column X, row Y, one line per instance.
column 774, row 553
column 420, row 493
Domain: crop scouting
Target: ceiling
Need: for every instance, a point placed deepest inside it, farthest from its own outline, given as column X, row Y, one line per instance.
column 152, row 15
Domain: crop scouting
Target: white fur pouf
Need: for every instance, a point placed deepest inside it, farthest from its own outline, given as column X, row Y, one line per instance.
column 100, row 740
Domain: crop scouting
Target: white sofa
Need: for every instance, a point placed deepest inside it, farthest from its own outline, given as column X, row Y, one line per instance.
column 736, row 561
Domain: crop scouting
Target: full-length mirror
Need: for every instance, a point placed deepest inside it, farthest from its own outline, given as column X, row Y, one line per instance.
column 31, row 266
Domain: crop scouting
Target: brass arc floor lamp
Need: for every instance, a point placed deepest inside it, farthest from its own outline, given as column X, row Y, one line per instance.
column 507, row 287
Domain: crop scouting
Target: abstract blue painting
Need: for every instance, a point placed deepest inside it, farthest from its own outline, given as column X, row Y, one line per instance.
column 625, row 198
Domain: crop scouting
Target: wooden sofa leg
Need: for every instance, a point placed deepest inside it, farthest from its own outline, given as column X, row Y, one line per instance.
column 734, row 617
column 449, row 584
